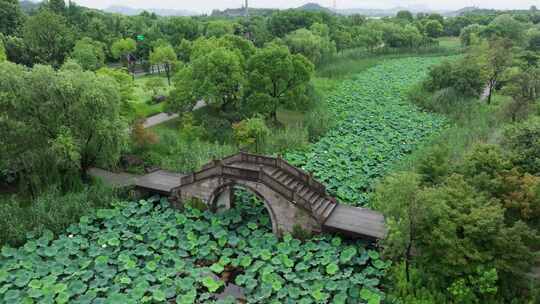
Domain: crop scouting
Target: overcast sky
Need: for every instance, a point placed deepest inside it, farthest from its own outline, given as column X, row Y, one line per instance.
column 208, row 5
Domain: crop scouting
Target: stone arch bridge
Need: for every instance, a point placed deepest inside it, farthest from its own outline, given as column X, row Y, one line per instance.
column 291, row 196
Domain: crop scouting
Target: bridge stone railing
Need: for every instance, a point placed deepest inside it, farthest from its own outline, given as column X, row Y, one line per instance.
column 224, row 168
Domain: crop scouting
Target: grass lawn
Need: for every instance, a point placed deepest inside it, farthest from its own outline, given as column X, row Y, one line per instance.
column 142, row 96
column 166, row 126
column 450, row 42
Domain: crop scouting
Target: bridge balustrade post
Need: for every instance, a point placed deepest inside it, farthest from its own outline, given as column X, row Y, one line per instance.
column 219, row 164
column 261, row 173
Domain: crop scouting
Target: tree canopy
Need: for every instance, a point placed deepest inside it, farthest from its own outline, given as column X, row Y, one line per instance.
column 166, row 56
column 48, row 37
column 276, row 78
column 89, row 54
column 11, row 17
column 57, row 124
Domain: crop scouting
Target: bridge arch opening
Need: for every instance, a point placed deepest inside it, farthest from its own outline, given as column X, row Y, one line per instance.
column 233, row 195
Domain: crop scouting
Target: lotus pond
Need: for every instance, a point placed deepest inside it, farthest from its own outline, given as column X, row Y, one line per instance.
column 146, row 252
column 377, row 127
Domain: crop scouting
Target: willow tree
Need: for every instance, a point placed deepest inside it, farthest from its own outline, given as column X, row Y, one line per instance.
column 56, row 124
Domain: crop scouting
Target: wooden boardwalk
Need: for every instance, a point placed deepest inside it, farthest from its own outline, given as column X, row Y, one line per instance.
column 161, row 182
column 356, row 221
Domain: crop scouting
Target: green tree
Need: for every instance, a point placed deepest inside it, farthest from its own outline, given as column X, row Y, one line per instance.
column 465, row 231
column 523, row 85
column 277, row 78
column 405, row 15
column 154, row 84
column 3, row 56
column 314, row 47
column 219, row 78
column 465, row 77
column 343, row 39
column 124, row 82
column 11, row 17
column 183, row 96
column 506, row 26
column 282, row 23
column 398, row 36
column 470, row 34
column 498, row 59
column 219, row 28
column 48, row 37
column 461, row 239
column 57, row 6
column 179, row 29
column 533, row 36
column 123, row 48
column 89, row 54
column 433, row 28
column 183, row 50
column 164, row 55
column 63, row 123
column 16, row 50
column 250, row 133
column 216, row 76
column 368, row 36
column 524, row 141
column 397, row 198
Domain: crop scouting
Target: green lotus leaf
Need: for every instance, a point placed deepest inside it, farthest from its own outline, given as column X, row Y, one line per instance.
column 245, row 261
column 159, row 295
column 373, row 254
column 187, row 298
column 12, row 296
column 211, row 284
column 370, row 297
column 347, row 255
column 118, row 298
column 8, row 252
column 217, row 268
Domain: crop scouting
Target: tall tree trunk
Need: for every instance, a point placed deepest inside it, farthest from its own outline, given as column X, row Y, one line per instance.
column 491, row 88
column 168, row 71
column 407, row 262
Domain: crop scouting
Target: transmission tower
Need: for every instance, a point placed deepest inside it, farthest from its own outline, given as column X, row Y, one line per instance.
column 246, row 8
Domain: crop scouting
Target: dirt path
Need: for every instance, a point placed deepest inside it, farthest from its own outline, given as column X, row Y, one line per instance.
column 164, row 117
column 158, row 119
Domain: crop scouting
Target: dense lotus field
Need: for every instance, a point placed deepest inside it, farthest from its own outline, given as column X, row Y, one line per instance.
column 146, row 252
column 377, row 127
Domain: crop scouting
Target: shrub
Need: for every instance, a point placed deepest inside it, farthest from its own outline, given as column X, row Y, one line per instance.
column 318, row 121
column 52, row 211
column 142, row 137
column 250, row 133
column 464, row 76
column 175, row 153
column 524, row 140
column 286, row 139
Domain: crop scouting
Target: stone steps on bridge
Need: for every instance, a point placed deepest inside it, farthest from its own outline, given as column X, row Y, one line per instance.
column 319, row 203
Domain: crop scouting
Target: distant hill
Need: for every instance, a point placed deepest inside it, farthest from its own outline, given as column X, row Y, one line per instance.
column 314, row 7
column 29, row 6
column 239, row 12
column 129, row 11
column 470, row 10
column 390, row 12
